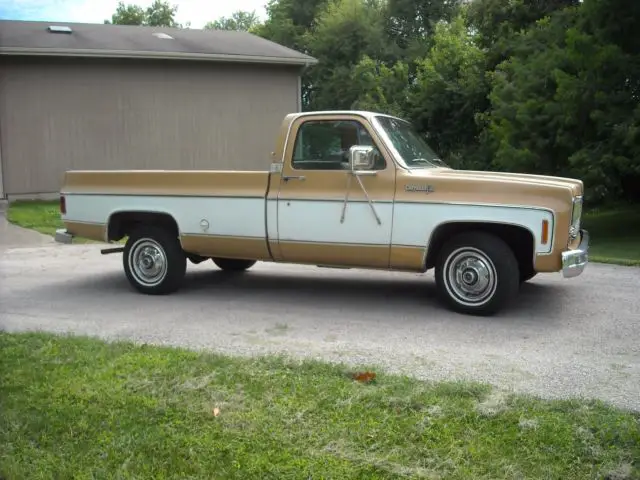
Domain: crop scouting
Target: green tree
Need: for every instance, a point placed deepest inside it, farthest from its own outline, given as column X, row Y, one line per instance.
column 346, row 31
column 540, row 86
column 566, row 103
column 128, row 15
column 239, row 20
column 381, row 88
column 449, row 92
column 411, row 23
column 498, row 22
column 158, row 14
column 289, row 21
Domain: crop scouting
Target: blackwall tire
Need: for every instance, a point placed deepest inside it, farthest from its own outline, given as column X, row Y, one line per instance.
column 526, row 275
column 233, row 264
column 153, row 261
column 477, row 274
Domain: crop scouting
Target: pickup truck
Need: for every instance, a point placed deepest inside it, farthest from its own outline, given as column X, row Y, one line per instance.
column 345, row 189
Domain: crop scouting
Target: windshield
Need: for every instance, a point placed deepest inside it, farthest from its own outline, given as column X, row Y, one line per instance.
column 412, row 148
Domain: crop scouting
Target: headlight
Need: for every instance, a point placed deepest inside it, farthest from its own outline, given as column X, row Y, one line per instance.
column 576, row 217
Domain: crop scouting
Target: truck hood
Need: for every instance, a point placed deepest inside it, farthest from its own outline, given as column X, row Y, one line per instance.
column 446, row 185
column 576, row 186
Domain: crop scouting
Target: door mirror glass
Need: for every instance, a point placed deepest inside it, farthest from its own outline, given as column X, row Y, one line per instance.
column 361, row 157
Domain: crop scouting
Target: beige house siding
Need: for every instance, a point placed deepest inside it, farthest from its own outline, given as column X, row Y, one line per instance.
column 62, row 114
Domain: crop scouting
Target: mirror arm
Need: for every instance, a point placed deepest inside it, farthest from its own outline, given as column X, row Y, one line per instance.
column 346, row 199
column 364, row 190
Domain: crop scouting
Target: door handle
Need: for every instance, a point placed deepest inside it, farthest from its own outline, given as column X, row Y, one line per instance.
column 292, row 177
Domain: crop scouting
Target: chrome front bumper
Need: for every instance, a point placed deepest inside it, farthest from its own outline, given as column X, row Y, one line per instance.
column 63, row 236
column 575, row 261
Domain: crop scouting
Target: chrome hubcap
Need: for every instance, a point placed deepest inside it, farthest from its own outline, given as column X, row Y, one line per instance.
column 148, row 262
column 470, row 276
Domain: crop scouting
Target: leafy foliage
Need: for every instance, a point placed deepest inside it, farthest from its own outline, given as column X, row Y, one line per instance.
column 378, row 86
column 239, row 20
column 345, row 32
column 565, row 103
column 159, row 14
column 448, row 91
column 538, row 86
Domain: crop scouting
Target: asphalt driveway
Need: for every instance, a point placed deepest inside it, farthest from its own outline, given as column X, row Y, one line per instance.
column 14, row 236
column 563, row 338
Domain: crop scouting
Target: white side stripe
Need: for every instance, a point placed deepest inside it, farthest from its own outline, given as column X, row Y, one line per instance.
column 241, row 217
column 307, row 221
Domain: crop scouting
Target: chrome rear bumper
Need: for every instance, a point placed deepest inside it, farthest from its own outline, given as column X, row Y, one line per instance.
column 575, row 261
column 63, row 236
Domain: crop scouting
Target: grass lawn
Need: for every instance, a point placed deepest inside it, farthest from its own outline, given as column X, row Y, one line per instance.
column 75, row 407
column 615, row 234
column 40, row 215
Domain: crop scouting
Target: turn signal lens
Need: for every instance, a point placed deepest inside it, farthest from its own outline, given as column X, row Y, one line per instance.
column 545, row 232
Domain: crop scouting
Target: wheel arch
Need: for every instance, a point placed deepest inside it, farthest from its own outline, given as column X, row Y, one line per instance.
column 121, row 222
column 520, row 238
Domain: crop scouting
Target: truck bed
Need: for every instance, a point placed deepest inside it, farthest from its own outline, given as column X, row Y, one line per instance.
column 219, row 213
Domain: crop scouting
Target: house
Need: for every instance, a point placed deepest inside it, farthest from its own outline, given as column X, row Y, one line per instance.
column 96, row 96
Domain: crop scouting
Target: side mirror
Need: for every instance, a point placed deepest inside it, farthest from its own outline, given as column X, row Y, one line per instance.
column 361, row 157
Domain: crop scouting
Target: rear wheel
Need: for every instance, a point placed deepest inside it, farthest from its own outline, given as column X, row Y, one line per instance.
column 477, row 273
column 233, row 264
column 154, row 261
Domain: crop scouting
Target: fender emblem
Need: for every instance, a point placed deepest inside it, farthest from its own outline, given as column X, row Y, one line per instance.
column 419, row 188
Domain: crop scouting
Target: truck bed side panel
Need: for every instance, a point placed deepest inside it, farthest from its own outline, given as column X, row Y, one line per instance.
column 167, row 182
column 217, row 213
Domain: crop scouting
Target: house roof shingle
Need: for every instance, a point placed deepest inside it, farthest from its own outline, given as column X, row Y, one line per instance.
column 21, row 37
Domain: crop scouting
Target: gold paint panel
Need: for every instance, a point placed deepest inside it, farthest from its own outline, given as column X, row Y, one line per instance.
column 366, row 256
column 90, row 231
column 553, row 262
column 408, row 258
column 167, row 182
column 548, row 263
column 226, row 247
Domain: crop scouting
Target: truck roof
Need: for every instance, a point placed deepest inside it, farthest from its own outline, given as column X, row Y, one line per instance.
column 363, row 113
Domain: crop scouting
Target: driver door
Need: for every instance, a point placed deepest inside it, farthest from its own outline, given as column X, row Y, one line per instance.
column 324, row 216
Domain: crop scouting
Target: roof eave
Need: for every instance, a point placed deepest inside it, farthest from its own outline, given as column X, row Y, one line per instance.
column 212, row 57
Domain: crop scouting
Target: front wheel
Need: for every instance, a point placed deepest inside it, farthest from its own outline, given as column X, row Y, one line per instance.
column 527, row 274
column 154, row 261
column 477, row 273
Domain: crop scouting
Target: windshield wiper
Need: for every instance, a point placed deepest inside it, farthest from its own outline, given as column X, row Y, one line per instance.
column 421, row 160
column 433, row 161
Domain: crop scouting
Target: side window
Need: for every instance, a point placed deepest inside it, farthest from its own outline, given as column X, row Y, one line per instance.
column 324, row 145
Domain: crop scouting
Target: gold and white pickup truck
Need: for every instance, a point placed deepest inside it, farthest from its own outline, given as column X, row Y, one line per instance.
column 344, row 189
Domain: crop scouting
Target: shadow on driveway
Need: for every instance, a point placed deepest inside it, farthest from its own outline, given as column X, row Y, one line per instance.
column 352, row 292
